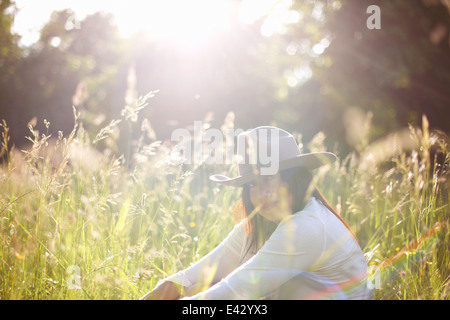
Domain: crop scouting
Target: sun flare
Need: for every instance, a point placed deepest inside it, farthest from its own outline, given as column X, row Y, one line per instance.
column 185, row 22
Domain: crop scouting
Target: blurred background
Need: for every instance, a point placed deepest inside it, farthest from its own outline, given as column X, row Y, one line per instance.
column 304, row 65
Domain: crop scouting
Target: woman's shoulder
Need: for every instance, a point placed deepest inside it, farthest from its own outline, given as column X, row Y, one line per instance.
column 296, row 235
column 301, row 226
column 305, row 224
column 311, row 213
column 239, row 230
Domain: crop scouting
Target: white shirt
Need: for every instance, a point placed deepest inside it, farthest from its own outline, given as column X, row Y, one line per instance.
column 312, row 241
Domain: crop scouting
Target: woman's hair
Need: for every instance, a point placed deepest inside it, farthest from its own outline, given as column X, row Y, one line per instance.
column 258, row 228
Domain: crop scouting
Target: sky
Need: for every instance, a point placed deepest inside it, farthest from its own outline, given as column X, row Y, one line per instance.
column 190, row 21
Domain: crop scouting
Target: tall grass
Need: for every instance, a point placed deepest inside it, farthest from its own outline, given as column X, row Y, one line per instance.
column 77, row 221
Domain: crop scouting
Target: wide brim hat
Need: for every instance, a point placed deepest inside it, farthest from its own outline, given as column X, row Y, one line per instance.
column 266, row 151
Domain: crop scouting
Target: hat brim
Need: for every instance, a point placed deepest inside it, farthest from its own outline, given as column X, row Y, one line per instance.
column 309, row 161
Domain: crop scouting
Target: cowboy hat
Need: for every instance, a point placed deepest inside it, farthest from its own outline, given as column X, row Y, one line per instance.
column 284, row 154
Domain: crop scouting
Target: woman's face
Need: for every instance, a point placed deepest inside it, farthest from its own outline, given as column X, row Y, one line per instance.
column 270, row 194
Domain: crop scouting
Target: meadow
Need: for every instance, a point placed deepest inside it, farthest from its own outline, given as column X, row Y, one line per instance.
column 80, row 221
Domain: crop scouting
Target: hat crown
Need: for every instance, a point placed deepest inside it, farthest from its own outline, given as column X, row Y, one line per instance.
column 263, row 147
column 265, row 151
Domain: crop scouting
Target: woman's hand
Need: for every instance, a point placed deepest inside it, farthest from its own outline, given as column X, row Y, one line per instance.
column 193, row 290
column 172, row 291
column 165, row 291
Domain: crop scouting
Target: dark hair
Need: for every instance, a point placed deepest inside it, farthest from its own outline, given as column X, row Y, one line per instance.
column 259, row 229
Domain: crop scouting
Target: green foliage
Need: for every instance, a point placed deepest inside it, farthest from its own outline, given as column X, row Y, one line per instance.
column 82, row 63
column 397, row 73
column 108, row 198
column 66, row 204
column 304, row 77
column 9, row 49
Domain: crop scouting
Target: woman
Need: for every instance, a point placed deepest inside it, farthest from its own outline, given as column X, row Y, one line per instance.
column 289, row 242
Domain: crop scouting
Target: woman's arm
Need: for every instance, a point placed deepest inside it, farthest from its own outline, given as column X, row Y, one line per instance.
column 167, row 290
column 210, row 269
column 294, row 247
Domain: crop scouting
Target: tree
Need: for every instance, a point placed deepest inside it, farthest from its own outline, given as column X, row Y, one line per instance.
column 397, row 73
column 69, row 56
column 9, row 57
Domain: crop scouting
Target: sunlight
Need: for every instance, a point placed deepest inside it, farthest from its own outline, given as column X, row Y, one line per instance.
column 278, row 14
column 184, row 22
